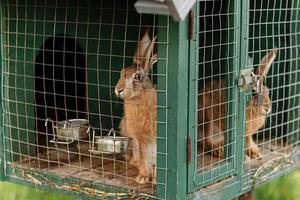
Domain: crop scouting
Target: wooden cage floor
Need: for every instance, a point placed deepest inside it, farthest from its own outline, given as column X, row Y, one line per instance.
column 109, row 170
column 269, row 149
column 114, row 171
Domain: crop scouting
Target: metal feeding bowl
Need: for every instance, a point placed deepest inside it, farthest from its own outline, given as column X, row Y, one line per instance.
column 66, row 132
column 110, row 144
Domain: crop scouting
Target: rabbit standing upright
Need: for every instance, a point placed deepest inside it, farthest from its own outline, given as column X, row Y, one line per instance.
column 140, row 112
column 212, row 111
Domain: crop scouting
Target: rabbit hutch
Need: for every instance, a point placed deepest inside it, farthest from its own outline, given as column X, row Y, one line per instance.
column 220, row 77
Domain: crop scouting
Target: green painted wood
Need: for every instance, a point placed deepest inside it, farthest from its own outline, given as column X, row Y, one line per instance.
column 231, row 188
column 199, row 179
column 162, row 31
column 243, row 62
column 293, row 98
column 231, row 66
column 1, row 111
column 177, row 109
column 55, row 183
column 214, row 175
column 225, row 191
column 193, row 88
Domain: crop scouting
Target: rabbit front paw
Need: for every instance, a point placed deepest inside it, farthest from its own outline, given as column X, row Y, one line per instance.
column 144, row 175
column 253, row 151
column 142, row 179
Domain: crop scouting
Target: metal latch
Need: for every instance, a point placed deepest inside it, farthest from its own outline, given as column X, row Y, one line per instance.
column 249, row 81
column 246, row 79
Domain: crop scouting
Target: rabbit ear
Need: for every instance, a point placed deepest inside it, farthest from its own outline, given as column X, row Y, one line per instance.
column 144, row 56
column 150, row 58
column 266, row 62
column 139, row 56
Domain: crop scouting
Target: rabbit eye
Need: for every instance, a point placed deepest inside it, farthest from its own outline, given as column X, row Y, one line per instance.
column 138, row 77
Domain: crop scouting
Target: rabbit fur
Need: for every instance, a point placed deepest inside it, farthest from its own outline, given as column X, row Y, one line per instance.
column 140, row 112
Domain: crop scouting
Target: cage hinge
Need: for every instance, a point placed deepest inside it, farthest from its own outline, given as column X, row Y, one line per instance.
column 188, row 150
column 191, row 25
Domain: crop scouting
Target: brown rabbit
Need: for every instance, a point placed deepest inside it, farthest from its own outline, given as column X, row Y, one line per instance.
column 140, row 112
column 212, row 110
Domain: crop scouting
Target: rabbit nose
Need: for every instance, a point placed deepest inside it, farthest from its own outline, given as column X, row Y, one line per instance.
column 120, row 90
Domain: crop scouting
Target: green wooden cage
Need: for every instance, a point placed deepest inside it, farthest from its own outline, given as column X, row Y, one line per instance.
column 62, row 60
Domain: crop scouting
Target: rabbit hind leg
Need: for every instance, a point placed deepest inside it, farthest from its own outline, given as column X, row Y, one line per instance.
column 135, row 157
column 215, row 139
column 144, row 171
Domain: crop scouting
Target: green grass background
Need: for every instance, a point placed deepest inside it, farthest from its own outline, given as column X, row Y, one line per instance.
column 285, row 188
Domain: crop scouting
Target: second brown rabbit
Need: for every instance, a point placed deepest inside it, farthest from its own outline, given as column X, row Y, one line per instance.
column 212, row 111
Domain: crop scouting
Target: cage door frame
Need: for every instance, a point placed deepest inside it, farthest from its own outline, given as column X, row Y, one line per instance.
column 228, row 170
column 2, row 176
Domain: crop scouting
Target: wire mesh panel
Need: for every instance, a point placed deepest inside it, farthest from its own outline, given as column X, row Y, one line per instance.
column 272, row 108
column 214, row 90
column 263, row 49
column 63, row 66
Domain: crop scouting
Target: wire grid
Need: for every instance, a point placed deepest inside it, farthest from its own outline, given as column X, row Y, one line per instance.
column 62, row 60
column 275, row 24
column 216, row 55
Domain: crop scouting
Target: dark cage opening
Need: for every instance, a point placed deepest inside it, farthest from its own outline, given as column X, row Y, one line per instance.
column 60, row 85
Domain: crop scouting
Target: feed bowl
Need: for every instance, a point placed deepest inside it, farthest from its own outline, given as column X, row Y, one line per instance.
column 110, row 144
column 73, row 129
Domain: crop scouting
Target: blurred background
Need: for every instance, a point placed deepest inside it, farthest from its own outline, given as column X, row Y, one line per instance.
column 284, row 188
